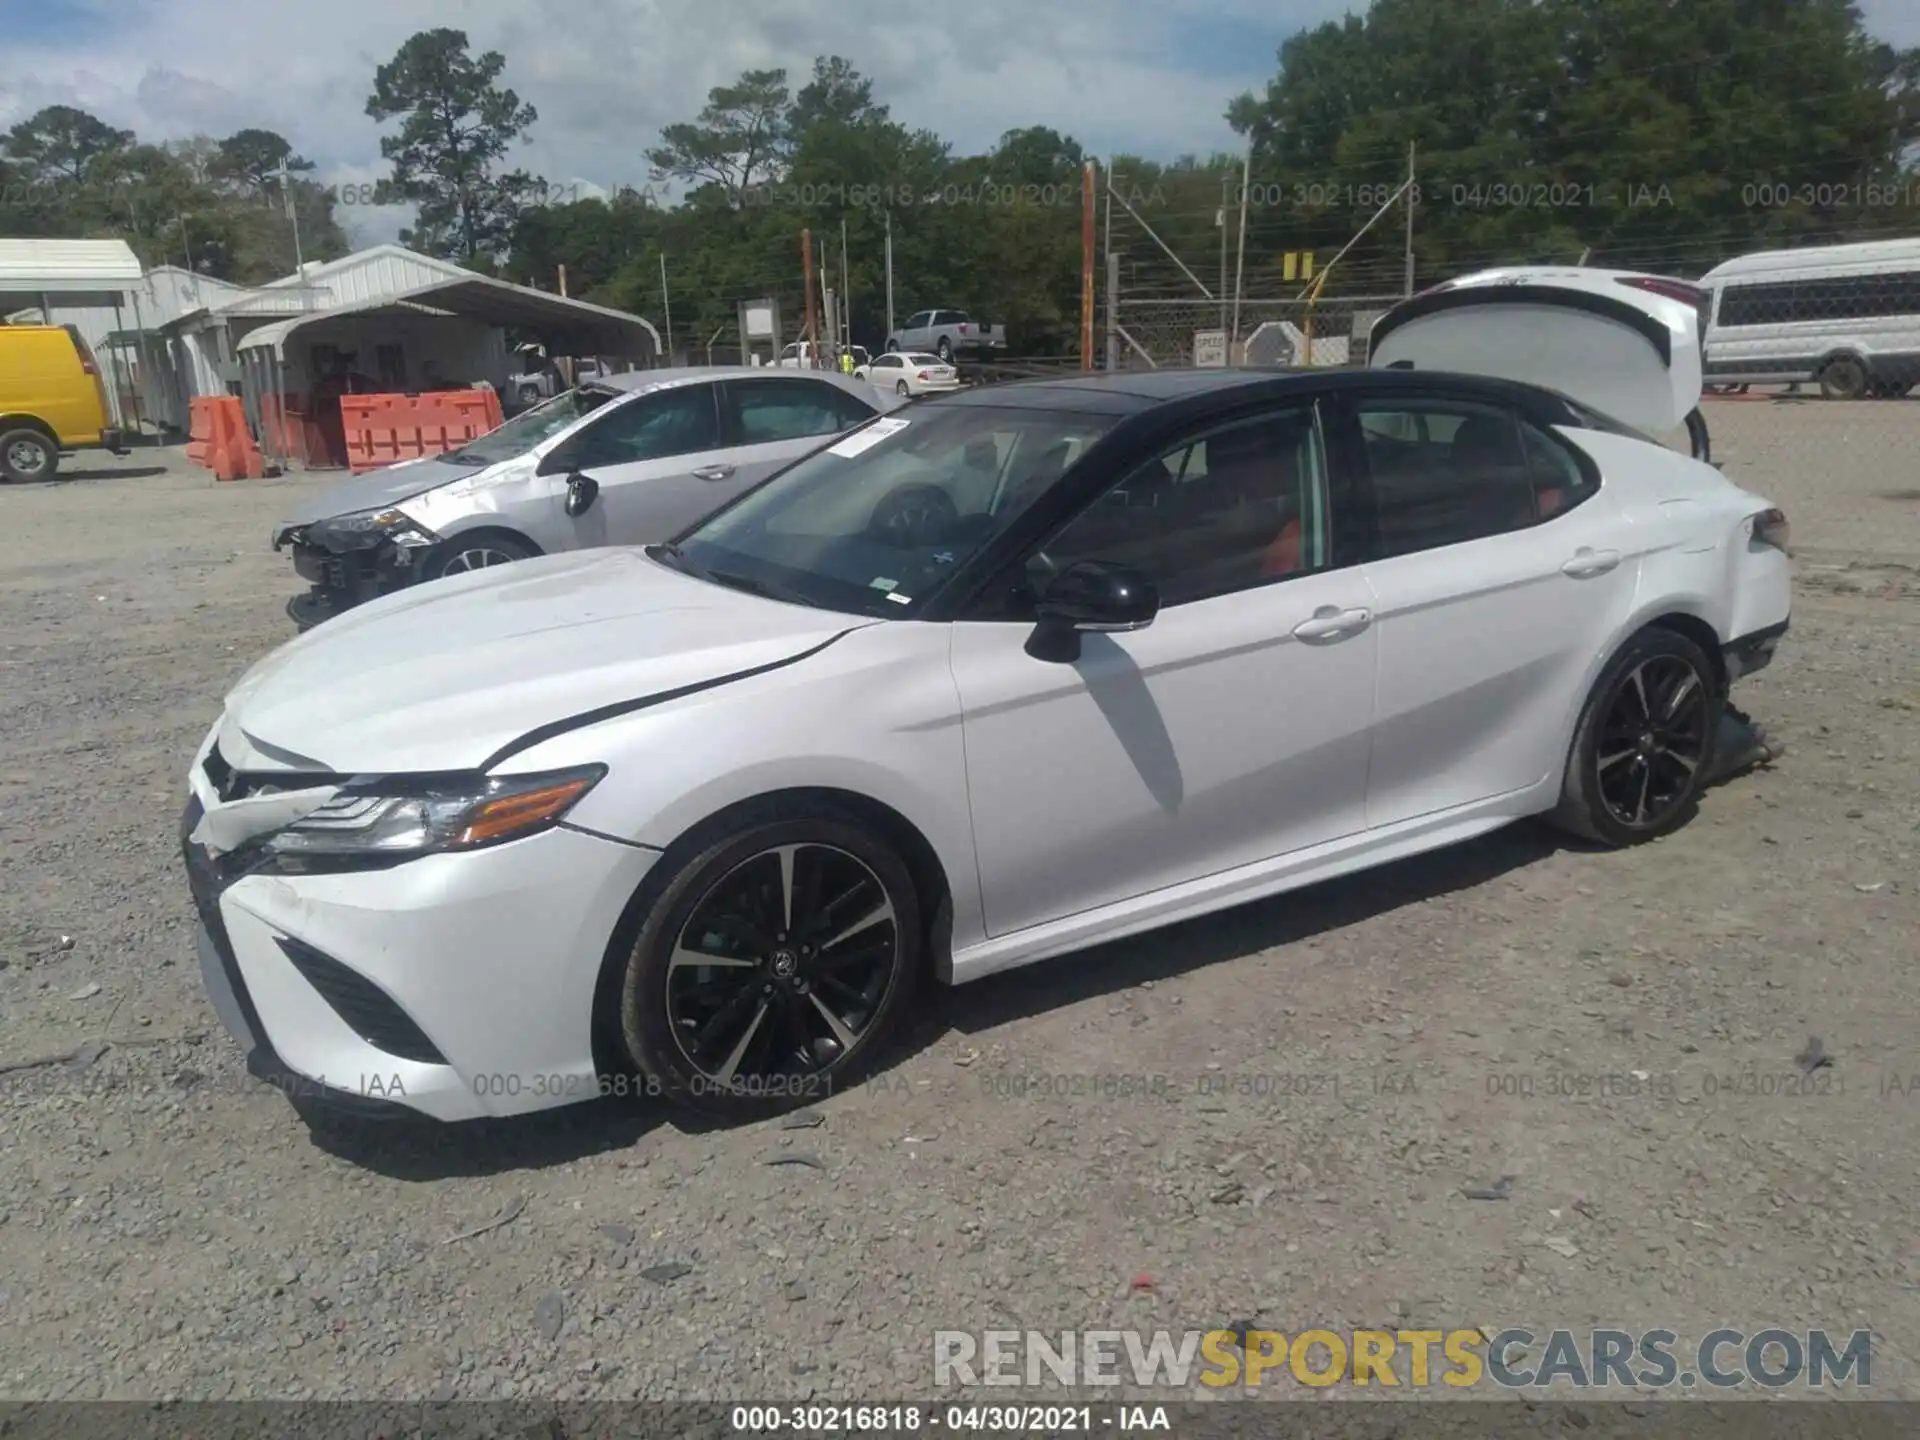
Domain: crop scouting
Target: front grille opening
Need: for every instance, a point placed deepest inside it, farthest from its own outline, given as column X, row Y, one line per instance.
column 371, row 1013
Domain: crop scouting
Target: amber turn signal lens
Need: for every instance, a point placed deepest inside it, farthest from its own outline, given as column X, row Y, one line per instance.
column 510, row 814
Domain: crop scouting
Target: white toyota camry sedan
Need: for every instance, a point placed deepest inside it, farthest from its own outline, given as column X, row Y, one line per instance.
column 991, row 680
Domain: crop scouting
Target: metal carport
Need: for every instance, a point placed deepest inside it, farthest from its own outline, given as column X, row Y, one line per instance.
column 456, row 309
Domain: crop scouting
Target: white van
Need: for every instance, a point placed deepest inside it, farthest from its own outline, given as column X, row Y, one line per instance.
column 1586, row 333
column 1847, row 316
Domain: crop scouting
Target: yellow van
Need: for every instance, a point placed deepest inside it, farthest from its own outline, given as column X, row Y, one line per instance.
column 52, row 399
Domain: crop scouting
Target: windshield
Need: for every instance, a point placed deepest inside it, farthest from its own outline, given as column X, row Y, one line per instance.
column 877, row 521
column 529, row 428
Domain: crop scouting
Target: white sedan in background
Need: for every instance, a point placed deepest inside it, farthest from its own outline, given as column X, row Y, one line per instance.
column 991, row 679
column 909, row 373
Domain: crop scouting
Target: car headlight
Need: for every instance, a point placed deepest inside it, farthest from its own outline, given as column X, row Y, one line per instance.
column 375, row 820
column 364, row 529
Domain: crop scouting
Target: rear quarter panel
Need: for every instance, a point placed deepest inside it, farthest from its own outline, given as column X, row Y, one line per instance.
column 1699, row 557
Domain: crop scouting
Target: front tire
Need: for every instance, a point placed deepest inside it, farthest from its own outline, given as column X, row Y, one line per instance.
column 774, row 967
column 27, row 456
column 479, row 552
column 1644, row 744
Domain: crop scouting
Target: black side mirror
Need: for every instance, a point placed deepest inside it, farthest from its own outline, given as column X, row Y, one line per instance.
column 1090, row 597
column 582, row 491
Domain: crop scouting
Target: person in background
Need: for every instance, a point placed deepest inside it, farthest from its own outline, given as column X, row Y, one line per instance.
column 846, row 361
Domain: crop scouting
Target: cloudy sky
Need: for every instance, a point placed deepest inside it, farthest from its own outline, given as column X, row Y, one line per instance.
column 1147, row 76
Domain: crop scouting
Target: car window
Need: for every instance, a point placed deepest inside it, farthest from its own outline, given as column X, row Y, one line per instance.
column 1242, row 505
column 891, row 362
column 1445, row 472
column 1559, row 483
column 768, row 411
column 878, row 522
column 852, row 409
column 924, row 360
column 919, row 321
column 680, row 421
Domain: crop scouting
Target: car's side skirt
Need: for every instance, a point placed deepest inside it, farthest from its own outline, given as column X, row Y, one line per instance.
column 1245, row 883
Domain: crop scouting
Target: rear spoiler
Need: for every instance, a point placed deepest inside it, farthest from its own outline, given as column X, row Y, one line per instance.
column 1434, row 302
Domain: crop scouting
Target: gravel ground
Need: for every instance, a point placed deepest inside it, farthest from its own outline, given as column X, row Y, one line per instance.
column 1332, row 1068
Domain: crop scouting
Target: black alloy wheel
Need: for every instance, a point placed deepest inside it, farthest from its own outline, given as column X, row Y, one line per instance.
column 773, row 967
column 1645, row 744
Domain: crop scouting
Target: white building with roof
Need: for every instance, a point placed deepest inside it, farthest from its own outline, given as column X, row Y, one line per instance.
column 400, row 317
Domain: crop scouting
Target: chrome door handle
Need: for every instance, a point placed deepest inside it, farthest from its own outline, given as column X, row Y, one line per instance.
column 713, row 472
column 1587, row 563
column 1330, row 622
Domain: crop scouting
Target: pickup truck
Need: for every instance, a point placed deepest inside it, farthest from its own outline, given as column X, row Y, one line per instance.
column 948, row 333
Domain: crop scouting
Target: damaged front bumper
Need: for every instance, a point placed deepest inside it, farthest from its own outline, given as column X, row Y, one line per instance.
column 350, row 561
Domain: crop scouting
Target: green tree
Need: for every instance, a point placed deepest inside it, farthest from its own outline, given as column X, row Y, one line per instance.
column 58, row 145
column 837, row 94
column 738, row 141
column 252, row 159
column 1636, row 130
column 457, row 124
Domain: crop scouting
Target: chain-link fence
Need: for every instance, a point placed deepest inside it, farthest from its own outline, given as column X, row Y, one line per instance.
column 1149, row 333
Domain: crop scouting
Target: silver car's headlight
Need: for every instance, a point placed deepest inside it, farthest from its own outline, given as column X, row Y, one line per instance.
column 364, row 529
column 374, row 819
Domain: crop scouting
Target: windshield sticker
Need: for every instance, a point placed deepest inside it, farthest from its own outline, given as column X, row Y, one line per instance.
column 899, row 599
column 880, row 582
column 863, row 440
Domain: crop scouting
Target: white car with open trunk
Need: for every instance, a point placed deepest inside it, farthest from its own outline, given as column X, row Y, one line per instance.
column 994, row 678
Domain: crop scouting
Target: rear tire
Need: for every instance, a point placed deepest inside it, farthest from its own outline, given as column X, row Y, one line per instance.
column 27, row 456
column 1844, row 378
column 1698, row 438
column 944, row 350
column 813, row 928
column 1633, row 776
column 902, row 388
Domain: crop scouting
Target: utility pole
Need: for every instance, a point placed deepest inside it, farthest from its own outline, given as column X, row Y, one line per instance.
column 1220, row 219
column 293, row 215
column 1240, row 265
column 889, row 215
column 666, row 302
column 1086, row 268
column 846, row 320
column 806, row 285
column 1410, row 194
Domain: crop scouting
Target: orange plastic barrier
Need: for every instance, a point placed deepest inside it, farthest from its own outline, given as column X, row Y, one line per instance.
column 295, row 434
column 383, row 429
column 219, row 440
column 200, row 434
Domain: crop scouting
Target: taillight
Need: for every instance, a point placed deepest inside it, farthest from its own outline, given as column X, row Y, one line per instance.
column 1700, row 300
column 925, row 375
column 81, row 349
column 963, row 328
column 1770, row 528
column 1673, row 289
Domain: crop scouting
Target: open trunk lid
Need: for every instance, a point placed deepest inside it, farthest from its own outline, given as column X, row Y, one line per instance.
column 1625, row 344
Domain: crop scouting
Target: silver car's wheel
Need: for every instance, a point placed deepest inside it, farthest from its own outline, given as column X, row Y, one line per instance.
column 480, row 552
column 902, row 389
column 477, row 558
